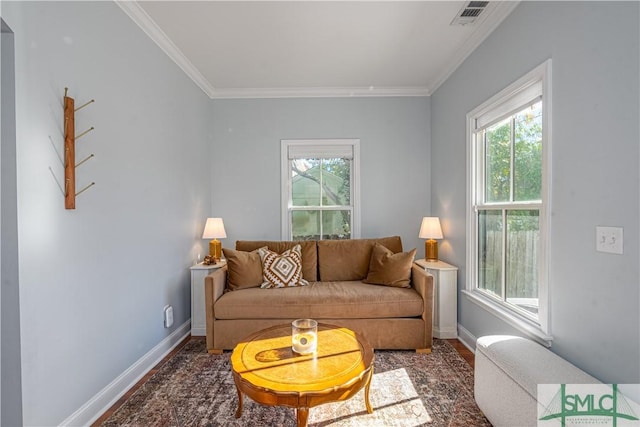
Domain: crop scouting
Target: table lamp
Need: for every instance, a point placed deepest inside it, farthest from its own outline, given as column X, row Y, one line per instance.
column 214, row 229
column 431, row 230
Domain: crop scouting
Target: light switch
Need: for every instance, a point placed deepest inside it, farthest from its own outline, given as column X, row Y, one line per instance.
column 609, row 239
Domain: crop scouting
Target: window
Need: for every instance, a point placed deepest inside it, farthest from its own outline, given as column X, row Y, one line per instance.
column 509, row 146
column 320, row 191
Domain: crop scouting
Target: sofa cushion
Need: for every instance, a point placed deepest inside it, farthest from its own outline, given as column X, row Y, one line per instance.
column 321, row 300
column 308, row 248
column 244, row 269
column 348, row 260
column 282, row 270
column 528, row 363
column 389, row 269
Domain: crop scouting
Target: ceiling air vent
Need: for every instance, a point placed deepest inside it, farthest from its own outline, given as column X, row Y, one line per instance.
column 469, row 12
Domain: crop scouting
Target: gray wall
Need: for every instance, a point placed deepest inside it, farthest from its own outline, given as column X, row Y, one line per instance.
column 394, row 147
column 595, row 316
column 94, row 280
column 11, row 389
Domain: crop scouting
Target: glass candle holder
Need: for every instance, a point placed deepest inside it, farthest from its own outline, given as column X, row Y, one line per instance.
column 304, row 336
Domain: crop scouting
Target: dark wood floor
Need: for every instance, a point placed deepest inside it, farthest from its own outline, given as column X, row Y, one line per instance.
column 463, row 351
column 461, row 348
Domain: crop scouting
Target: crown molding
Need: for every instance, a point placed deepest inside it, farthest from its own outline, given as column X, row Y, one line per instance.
column 148, row 25
column 324, row 92
column 494, row 17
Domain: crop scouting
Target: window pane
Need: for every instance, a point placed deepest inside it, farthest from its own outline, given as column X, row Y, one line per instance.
column 527, row 168
column 490, row 251
column 305, row 225
column 498, row 162
column 336, row 174
column 336, row 224
column 523, row 236
column 305, row 182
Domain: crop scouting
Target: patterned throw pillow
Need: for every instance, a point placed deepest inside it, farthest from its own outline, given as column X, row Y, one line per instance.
column 282, row 270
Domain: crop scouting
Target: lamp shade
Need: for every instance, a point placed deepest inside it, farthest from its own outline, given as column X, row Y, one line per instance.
column 430, row 228
column 214, row 229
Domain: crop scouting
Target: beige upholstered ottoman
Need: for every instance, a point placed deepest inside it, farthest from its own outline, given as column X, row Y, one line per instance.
column 508, row 370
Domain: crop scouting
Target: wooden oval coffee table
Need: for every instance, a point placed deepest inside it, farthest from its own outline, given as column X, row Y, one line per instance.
column 269, row 372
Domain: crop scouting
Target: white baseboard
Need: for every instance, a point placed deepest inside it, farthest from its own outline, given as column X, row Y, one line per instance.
column 198, row 332
column 445, row 333
column 98, row 404
column 467, row 338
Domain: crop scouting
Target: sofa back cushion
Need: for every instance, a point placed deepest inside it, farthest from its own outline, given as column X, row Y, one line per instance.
column 308, row 248
column 344, row 260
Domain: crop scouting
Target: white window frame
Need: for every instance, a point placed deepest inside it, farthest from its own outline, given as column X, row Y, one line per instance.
column 534, row 84
column 321, row 148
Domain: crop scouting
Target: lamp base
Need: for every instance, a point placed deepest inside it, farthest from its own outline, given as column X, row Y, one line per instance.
column 431, row 250
column 215, row 249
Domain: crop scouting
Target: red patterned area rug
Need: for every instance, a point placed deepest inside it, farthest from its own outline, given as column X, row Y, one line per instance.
column 195, row 388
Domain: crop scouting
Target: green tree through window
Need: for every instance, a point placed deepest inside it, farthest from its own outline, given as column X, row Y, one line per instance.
column 321, row 187
column 509, row 234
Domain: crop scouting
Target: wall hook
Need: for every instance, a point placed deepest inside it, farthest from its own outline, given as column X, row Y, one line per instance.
column 84, row 105
column 85, row 188
column 85, row 159
column 84, row 133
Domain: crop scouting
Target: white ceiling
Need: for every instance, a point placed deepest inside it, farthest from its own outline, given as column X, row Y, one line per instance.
column 240, row 49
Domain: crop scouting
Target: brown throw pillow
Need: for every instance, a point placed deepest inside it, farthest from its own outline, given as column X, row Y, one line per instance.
column 244, row 269
column 282, row 270
column 387, row 268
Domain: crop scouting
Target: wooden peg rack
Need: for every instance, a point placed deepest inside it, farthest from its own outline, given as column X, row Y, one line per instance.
column 70, row 164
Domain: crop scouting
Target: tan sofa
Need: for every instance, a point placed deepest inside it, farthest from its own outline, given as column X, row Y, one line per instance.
column 389, row 317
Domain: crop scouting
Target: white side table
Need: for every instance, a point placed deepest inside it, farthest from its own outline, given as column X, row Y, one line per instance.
column 198, row 316
column 445, row 285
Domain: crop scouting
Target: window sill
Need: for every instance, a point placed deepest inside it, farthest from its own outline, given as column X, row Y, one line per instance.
column 527, row 327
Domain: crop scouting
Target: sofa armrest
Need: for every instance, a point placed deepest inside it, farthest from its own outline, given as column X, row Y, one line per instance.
column 422, row 282
column 214, row 285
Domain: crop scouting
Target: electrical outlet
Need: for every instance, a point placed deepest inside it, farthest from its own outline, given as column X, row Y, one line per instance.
column 609, row 239
column 168, row 316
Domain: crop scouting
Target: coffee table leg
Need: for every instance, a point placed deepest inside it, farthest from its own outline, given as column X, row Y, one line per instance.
column 302, row 414
column 239, row 410
column 366, row 392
